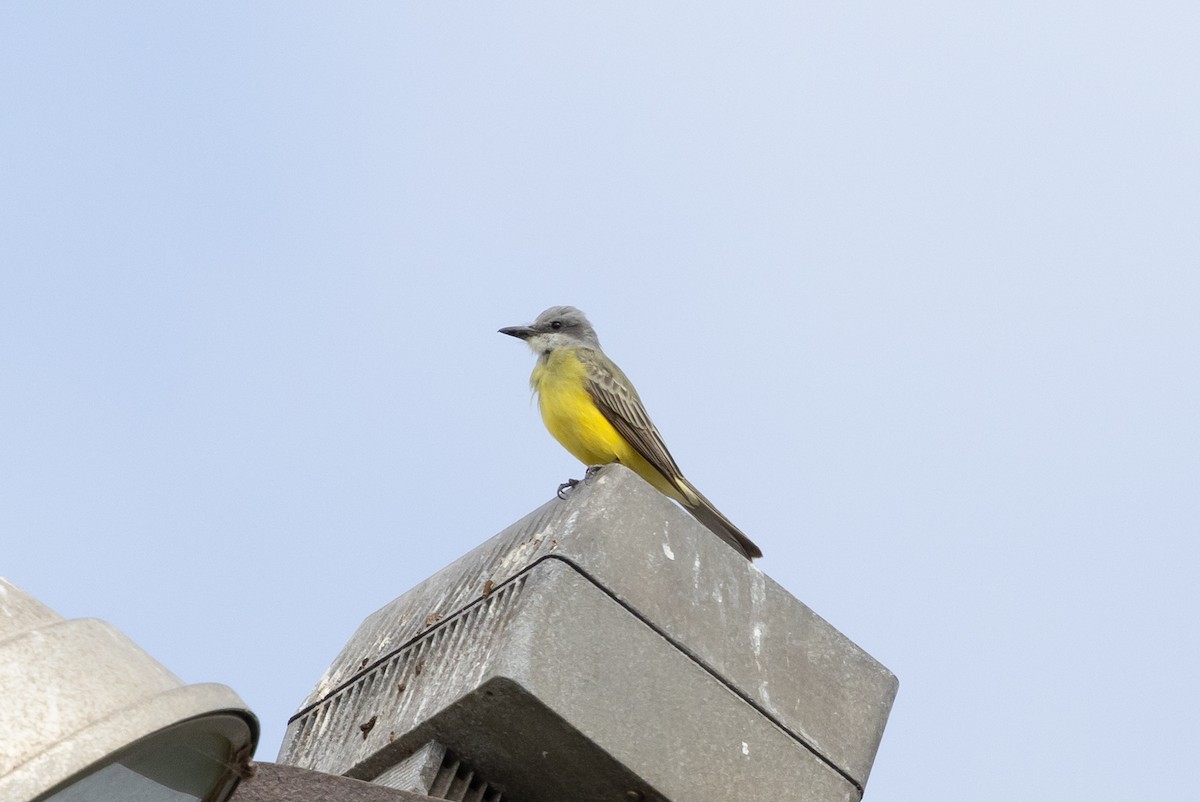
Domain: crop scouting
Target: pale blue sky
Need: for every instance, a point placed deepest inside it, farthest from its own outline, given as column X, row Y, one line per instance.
column 911, row 290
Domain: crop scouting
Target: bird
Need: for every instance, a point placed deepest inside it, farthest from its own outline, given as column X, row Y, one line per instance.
column 593, row 410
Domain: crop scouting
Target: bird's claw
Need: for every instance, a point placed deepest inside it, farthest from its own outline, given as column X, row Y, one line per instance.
column 570, row 484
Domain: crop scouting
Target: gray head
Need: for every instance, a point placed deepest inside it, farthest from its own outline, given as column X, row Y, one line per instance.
column 557, row 327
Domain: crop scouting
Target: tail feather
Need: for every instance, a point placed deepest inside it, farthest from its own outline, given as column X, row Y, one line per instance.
column 703, row 511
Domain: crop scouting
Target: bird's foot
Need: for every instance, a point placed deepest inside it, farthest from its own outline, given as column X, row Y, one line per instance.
column 569, row 485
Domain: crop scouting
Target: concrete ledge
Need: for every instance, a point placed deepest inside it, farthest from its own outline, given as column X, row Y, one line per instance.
column 272, row 782
column 710, row 647
column 571, row 697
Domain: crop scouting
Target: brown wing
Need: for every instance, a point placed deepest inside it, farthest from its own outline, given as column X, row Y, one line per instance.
column 619, row 402
column 615, row 397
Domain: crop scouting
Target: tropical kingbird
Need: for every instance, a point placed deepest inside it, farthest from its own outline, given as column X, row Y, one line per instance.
column 590, row 407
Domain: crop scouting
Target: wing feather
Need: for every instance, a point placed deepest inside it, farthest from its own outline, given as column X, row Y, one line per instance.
column 614, row 395
column 616, row 399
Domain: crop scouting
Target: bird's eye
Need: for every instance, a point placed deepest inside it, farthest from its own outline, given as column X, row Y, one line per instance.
column 556, row 325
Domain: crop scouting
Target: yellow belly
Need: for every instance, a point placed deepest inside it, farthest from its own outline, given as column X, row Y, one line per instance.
column 573, row 418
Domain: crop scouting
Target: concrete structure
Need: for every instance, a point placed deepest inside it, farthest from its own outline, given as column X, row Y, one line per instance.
column 272, row 782
column 605, row 647
column 85, row 714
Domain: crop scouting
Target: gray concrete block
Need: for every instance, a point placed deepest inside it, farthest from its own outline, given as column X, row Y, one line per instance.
column 417, row 772
column 621, row 624
column 272, row 782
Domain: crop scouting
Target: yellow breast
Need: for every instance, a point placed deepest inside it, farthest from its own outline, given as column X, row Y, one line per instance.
column 575, row 421
column 569, row 412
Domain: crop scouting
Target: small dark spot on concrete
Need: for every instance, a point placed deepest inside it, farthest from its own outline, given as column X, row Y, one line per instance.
column 368, row 726
column 432, row 618
column 419, row 667
column 487, row 588
column 364, row 662
column 400, row 687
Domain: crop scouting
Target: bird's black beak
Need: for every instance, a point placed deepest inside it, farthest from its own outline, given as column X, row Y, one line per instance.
column 520, row 332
